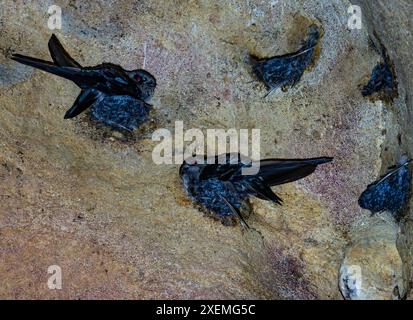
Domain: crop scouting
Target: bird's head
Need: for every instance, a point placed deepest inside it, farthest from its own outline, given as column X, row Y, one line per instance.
column 145, row 82
column 191, row 169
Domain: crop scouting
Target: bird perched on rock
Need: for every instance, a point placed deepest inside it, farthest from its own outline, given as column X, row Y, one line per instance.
column 107, row 87
column 390, row 193
column 286, row 70
column 223, row 191
column 383, row 81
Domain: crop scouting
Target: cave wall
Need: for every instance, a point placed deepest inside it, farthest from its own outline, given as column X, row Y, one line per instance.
column 120, row 226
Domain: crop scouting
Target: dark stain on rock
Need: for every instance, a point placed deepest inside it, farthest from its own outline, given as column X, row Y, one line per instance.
column 350, row 288
column 290, row 280
column 399, row 139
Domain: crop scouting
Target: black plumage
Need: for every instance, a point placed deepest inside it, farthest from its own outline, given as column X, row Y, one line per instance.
column 113, row 92
column 286, row 70
column 390, row 193
column 223, row 190
column 383, row 81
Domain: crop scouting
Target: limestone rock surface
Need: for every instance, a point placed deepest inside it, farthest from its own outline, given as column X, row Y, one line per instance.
column 120, row 226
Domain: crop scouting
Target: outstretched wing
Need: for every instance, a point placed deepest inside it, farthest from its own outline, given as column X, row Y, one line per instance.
column 79, row 76
column 272, row 172
column 279, row 171
column 59, row 55
column 276, row 171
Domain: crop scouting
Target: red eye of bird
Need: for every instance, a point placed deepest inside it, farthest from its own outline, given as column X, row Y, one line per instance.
column 138, row 78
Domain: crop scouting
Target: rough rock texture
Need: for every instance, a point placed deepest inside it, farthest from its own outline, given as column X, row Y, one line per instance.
column 120, row 226
column 373, row 268
column 392, row 23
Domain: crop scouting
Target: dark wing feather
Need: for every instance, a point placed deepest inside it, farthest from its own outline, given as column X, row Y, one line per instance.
column 59, row 55
column 261, row 190
column 85, row 99
column 74, row 74
column 235, row 211
column 34, row 62
column 222, row 171
column 278, row 171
